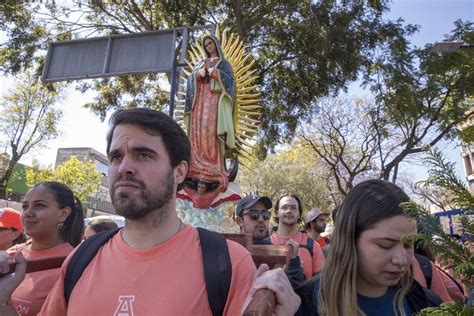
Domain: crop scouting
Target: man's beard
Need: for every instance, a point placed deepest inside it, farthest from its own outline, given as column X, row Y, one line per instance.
column 319, row 230
column 257, row 235
column 289, row 222
column 135, row 208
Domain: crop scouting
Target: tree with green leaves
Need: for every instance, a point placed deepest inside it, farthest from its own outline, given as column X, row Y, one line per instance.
column 305, row 50
column 452, row 254
column 419, row 99
column 82, row 177
column 29, row 119
column 424, row 96
column 293, row 170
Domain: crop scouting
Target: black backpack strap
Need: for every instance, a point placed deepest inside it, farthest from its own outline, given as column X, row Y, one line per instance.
column 426, row 268
column 310, row 245
column 452, row 279
column 217, row 269
column 419, row 298
column 82, row 257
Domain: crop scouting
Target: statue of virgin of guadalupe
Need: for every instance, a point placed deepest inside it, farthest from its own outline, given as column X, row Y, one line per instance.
column 208, row 118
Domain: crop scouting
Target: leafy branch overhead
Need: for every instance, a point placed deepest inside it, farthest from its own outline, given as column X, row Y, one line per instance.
column 451, row 253
column 305, row 49
column 442, row 174
column 82, row 177
column 29, row 119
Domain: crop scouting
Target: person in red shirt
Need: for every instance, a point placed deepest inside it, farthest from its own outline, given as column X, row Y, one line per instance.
column 315, row 224
column 288, row 211
column 11, row 229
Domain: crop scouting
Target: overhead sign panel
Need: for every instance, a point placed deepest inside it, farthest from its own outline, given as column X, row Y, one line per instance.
column 110, row 56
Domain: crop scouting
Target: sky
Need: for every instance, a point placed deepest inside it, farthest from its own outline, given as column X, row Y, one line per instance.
column 81, row 128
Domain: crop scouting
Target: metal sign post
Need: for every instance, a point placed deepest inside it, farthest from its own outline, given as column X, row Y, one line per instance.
column 118, row 55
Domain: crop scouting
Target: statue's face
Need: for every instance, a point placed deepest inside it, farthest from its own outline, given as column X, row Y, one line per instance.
column 210, row 46
column 201, row 188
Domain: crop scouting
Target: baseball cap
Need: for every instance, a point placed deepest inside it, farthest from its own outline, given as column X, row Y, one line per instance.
column 10, row 218
column 312, row 214
column 251, row 200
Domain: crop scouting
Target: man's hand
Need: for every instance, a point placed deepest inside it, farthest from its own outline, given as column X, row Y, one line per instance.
column 287, row 302
column 294, row 248
column 10, row 282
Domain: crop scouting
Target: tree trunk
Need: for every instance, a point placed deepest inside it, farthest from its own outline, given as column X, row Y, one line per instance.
column 6, row 177
column 239, row 19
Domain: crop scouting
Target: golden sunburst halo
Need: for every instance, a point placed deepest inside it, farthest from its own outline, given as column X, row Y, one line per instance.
column 247, row 111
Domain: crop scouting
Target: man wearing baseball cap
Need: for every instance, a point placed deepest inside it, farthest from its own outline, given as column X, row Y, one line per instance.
column 11, row 228
column 252, row 216
column 315, row 224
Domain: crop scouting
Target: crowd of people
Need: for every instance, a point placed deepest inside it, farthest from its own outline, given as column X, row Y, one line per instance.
column 377, row 275
column 157, row 265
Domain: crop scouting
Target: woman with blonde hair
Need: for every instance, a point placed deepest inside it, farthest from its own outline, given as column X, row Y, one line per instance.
column 367, row 271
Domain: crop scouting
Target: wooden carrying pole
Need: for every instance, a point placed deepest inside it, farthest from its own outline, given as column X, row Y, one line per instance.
column 262, row 304
column 39, row 265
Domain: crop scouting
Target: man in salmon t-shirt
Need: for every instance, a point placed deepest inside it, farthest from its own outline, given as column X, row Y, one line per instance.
column 154, row 265
column 315, row 224
column 288, row 211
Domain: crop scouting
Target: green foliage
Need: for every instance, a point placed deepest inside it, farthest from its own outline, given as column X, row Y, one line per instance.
column 467, row 134
column 25, row 35
column 304, row 49
column 294, row 170
column 447, row 309
column 442, row 174
column 29, row 118
column 125, row 92
column 424, row 94
column 81, row 177
column 450, row 252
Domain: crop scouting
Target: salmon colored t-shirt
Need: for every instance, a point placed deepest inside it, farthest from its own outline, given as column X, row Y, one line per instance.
column 322, row 242
column 164, row 280
column 437, row 284
column 30, row 295
column 310, row 265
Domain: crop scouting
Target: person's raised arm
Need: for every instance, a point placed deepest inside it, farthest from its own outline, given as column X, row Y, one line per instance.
column 10, row 282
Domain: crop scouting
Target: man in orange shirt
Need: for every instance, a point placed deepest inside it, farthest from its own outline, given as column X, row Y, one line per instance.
column 315, row 224
column 288, row 211
column 154, row 265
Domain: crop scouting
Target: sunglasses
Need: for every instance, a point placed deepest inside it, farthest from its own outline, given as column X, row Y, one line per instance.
column 255, row 214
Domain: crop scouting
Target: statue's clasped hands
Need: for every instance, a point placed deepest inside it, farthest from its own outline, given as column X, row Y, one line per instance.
column 202, row 72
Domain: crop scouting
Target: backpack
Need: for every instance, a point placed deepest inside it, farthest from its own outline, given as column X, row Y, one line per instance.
column 425, row 265
column 215, row 256
column 310, row 244
column 426, row 268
